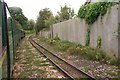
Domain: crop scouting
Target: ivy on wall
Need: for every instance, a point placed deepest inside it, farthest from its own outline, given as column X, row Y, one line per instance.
column 99, row 41
column 119, row 29
column 88, row 36
column 91, row 12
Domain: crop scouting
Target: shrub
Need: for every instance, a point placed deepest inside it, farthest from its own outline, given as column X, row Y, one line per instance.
column 63, row 45
column 112, row 61
column 56, row 37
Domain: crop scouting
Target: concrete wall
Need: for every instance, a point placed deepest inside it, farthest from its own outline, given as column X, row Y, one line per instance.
column 45, row 34
column 119, row 35
column 75, row 30
column 106, row 28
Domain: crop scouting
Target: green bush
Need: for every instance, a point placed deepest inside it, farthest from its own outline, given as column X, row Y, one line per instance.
column 87, row 52
column 88, row 36
column 56, row 37
column 100, row 55
column 112, row 61
column 91, row 12
column 63, row 45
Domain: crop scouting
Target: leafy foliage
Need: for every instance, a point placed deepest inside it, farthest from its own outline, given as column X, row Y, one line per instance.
column 44, row 19
column 19, row 16
column 49, row 21
column 88, row 36
column 31, row 24
column 65, row 13
column 99, row 41
column 91, row 12
column 17, row 25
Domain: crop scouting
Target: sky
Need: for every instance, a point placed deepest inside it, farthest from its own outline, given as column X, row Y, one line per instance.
column 31, row 8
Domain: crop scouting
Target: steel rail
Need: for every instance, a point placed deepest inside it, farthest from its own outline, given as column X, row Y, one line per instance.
column 75, row 68
column 52, row 61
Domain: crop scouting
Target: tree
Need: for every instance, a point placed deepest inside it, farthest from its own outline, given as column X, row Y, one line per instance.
column 65, row 13
column 31, row 24
column 43, row 20
column 49, row 21
column 19, row 16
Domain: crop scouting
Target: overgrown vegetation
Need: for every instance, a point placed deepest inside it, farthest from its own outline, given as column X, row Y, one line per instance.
column 99, row 41
column 88, row 36
column 112, row 73
column 79, row 50
column 87, row 68
column 65, row 13
column 119, row 29
column 21, row 21
column 91, row 12
column 44, row 20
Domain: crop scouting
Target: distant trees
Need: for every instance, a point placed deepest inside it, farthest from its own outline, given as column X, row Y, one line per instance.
column 31, row 24
column 19, row 16
column 65, row 13
column 44, row 20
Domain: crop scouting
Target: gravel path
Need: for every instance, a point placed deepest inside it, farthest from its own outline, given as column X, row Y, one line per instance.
column 30, row 64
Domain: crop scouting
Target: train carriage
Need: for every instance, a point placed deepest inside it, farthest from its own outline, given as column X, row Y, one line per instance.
column 9, row 39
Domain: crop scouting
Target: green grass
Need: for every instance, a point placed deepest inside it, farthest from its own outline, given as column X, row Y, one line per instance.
column 27, row 32
column 40, row 63
column 29, row 57
column 79, row 50
column 110, row 72
column 87, row 68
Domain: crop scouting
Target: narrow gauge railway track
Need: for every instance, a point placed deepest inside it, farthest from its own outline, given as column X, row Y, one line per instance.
column 71, row 71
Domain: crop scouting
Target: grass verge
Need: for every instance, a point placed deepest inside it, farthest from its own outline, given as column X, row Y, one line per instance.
column 76, row 49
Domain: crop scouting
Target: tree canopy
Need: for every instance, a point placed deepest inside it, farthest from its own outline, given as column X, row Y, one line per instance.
column 31, row 24
column 19, row 16
column 65, row 13
column 44, row 19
